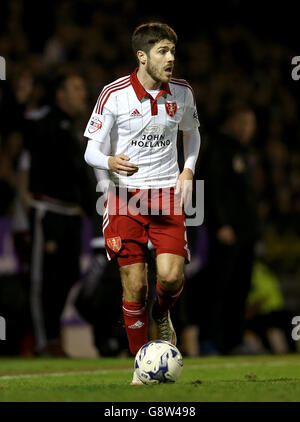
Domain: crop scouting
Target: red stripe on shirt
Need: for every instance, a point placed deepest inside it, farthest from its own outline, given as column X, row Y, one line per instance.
column 183, row 82
column 180, row 82
column 107, row 89
column 110, row 92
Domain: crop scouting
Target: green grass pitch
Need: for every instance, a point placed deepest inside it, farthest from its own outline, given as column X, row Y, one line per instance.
column 217, row 379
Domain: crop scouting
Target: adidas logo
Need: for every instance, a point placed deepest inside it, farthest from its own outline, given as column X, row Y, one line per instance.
column 135, row 113
column 138, row 324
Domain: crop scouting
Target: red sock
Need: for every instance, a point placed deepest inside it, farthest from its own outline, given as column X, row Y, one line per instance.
column 165, row 300
column 136, row 324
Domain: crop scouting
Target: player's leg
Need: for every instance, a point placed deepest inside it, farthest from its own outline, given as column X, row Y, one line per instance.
column 167, row 233
column 169, row 285
column 170, row 280
column 134, row 282
column 126, row 240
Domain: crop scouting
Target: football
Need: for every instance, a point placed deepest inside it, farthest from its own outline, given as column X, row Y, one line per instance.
column 158, row 362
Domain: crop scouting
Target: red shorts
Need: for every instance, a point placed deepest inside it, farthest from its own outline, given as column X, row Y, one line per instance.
column 131, row 219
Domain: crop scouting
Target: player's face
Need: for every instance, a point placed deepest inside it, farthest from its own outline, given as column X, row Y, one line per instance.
column 160, row 63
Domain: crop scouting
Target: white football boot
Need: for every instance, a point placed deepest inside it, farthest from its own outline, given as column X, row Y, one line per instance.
column 165, row 329
column 136, row 380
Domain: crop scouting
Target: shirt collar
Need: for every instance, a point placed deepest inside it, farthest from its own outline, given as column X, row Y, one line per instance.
column 140, row 90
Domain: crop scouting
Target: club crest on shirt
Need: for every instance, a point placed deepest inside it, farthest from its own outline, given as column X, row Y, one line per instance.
column 95, row 124
column 171, row 109
column 114, row 243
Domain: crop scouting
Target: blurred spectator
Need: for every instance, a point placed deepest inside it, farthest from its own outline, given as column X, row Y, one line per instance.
column 7, row 175
column 60, row 191
column 232, row 225
column 266, row 313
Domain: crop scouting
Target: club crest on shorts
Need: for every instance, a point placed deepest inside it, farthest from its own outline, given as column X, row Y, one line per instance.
column 114, row 243
column 171, row 109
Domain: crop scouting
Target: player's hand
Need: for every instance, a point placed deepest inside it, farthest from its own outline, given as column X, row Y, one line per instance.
column 226, row 235
column 120, row 164
column 184, row 187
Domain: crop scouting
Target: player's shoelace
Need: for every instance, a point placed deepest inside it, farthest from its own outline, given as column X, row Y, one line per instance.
column 166, row 330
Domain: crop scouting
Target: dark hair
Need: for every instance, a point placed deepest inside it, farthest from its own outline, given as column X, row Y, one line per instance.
column 146, row 35
column 59, row 80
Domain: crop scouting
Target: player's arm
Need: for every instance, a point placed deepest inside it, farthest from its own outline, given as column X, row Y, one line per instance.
column 98, row 131
column 96, row 158
column 191, row 147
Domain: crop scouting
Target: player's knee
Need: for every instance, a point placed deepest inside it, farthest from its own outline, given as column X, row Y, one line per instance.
column 137, row 287
column 134, row 284
column 170, row 279
column 135, row 291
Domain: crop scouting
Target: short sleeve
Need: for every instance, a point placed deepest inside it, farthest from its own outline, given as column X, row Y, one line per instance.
column 101, row 120
column 189, row 119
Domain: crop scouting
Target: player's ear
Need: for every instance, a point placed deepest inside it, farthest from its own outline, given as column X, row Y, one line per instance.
column 142, row 57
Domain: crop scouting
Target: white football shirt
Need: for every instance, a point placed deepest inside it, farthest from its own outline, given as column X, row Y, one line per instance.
column 127, row 119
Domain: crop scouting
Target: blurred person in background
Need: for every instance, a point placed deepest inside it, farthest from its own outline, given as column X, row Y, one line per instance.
column 233, row 228
column 60, row 191
column 14, row 303
column 268, row 320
